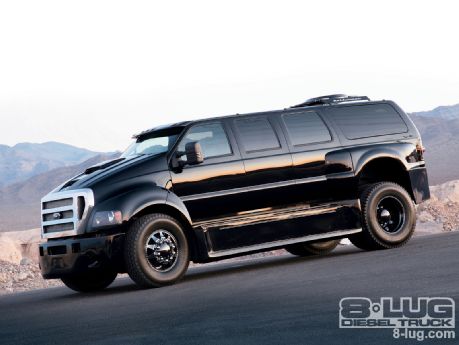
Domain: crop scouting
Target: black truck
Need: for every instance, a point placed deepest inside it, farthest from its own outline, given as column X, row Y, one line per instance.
column 301, row 178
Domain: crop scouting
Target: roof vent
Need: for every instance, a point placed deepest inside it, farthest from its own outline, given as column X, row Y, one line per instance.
column 330, row 100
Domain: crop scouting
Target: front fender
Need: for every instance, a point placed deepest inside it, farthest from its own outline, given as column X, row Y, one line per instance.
column 134, row 201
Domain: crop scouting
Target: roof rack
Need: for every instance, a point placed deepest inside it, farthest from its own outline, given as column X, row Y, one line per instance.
column 331, row 99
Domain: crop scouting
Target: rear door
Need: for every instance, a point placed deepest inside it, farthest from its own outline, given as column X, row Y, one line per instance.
column 267, row 161
column 319, row 162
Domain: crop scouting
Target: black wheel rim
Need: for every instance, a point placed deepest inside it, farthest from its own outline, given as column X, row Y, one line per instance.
column 391, row 214
column 161, row 250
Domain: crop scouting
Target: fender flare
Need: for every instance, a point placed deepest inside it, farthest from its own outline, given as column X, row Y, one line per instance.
column 361, row 159
column 136, row 200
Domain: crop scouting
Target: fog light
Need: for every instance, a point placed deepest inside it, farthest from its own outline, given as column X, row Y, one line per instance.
column 106, row 218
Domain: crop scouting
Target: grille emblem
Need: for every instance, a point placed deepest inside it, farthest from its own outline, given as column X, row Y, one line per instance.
column 57, row 215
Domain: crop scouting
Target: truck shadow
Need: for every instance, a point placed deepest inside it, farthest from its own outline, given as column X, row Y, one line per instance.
column 228, row 267
column 215, row 270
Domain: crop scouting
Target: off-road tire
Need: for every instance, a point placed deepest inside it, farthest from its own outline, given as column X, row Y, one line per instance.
column 137, row 264
column 373, row 235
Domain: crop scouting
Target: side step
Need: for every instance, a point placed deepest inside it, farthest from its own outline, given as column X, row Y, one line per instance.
column 283, row 243
column 268, row 228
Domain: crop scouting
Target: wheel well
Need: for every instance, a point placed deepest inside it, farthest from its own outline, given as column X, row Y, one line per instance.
column 176, row 214
column 385, row 169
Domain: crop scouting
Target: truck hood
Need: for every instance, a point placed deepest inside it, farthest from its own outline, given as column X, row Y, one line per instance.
column 116, row 169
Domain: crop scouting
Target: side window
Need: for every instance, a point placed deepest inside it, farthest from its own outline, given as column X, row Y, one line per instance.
column 212, row 137
column 306, row 128
column 363, row 121
column 256, row 134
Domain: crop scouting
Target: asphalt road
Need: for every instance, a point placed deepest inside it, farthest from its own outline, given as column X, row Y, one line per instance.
column 273, row 300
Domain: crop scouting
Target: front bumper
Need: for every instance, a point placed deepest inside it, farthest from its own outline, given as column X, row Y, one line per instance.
column 419, row 184
column 59, row 258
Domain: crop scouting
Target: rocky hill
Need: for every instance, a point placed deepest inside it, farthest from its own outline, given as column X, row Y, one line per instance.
column 439, row 129
column 19, row 269
column 441, row 212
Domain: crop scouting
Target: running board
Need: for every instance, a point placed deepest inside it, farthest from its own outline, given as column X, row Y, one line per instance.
column 283, row 243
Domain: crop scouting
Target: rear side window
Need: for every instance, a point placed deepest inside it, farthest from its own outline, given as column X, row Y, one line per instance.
column 257, row 134
column 306, row 128
column 365, row 121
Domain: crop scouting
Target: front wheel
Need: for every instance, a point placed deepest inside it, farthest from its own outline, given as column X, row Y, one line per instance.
column 156, row 251
column 314, row 248
column 388, row 217
column 90, row 281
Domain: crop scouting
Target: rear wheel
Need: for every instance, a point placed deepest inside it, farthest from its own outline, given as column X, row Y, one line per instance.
column 156, row 251
column 90, row 281
column 314, row 248
column 388, row 217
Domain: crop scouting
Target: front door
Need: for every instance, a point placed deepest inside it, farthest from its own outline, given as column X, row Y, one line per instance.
column 209, row 189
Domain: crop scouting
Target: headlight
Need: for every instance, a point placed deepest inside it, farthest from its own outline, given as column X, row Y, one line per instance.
column 106, row 218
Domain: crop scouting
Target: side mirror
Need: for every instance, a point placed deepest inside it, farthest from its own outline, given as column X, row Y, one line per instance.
column 194, row 153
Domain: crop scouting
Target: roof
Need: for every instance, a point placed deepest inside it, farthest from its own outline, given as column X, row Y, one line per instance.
column 329, row 100
column 161, row 128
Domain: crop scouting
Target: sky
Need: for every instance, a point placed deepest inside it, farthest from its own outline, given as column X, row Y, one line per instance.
column 93, row 73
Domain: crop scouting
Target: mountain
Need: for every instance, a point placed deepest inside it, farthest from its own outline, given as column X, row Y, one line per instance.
column 449, row 112
column 20, row 202
column 439, row 130
column 24, row 160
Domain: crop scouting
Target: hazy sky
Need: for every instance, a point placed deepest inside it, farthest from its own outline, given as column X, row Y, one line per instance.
column 92, row 73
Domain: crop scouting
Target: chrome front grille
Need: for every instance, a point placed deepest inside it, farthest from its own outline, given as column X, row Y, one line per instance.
column 65, row 213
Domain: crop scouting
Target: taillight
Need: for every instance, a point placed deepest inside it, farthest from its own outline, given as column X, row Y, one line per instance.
column 420, row 151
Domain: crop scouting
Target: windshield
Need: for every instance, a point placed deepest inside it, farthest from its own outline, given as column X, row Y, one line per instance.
column 152, row 144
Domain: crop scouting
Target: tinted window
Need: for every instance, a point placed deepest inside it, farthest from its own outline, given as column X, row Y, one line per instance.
column 306, row 128
column 257, row 134
column 212, row 138
column 364, row 121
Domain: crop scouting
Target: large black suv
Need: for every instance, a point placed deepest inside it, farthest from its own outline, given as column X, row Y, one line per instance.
column 301, row 178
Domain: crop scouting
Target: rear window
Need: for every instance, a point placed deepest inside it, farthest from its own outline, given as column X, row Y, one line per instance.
column 363, row 121
column 257, row 134
column 306, row 128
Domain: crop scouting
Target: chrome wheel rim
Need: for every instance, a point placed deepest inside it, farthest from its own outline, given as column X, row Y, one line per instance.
column 161, row 250
column 390, row 213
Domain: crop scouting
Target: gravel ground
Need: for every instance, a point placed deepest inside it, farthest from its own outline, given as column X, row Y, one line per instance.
column 441, row 212
column 22, row 277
